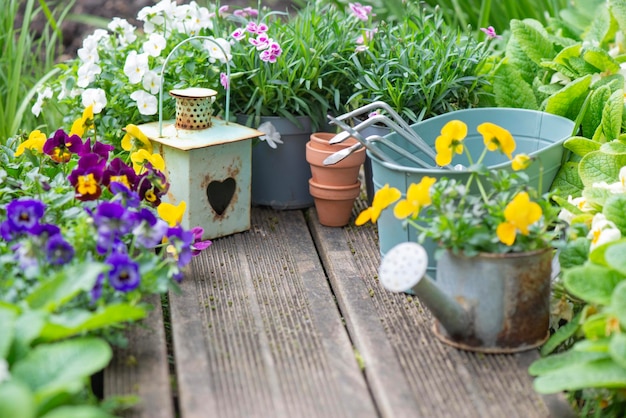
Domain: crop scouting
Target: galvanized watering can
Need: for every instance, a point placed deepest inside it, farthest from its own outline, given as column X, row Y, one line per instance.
column 491, row 303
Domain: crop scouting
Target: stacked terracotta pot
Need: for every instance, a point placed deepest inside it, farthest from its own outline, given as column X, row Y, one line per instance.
column 334, row 187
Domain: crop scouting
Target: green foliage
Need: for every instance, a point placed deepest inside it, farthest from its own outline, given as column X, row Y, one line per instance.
column 26, row 57
column 418, row 64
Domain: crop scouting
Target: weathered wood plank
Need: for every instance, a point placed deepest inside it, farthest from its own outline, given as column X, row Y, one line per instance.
column 142, row 368
column 410, row 372
column 257, row 333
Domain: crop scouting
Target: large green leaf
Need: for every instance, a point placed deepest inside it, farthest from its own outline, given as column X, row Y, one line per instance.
column 592, row 283
column 75, row 322
column 64, row 286
column 618, row 303
column 612, row 115
column 593, row 114
column 62, row 367
column 617, row 349
column 614, row 209
column 604, row 373
column 567, row 181
column 511, row 90
column 561, row 335
column 78, row 411
column 599, row 166
column 618, row 11
column 16, row 400
column 581, row 146
column 568, row 101
column 533, row 41
column 27, row 329
column 558, row 361
column 7, row 327
column 575, row 253
column 599, row 27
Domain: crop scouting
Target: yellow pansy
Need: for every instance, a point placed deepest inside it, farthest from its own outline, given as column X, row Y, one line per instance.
column 496, row 137
column 417, row 197
column 83, row 123
column 450, row 141
column 135, row 139
column 138, row 158
column 519, row 214
column 171, row 214
column 35, row 142
column 520, row 162
column 383, row 198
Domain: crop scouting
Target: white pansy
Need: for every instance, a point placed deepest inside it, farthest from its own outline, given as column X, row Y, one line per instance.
column 602, row 231
column 135, row 66
column 272, row 136
column 91, row 41
column 88, row 55
column 151, row 82
column 87, row 73
column 41, row 98
column 4, row 370
column 154, row 45
column 201, row 16
column 616, row 187
column 95, row 97
column 146, row 103
column 216, row 52
column 124, row 30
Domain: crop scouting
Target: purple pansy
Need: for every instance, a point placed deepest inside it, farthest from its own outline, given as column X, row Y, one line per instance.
column 124, row 273
column 24, row 214
column 61, row 146
column 150, row 231
column 58, row 250
column 198, row 244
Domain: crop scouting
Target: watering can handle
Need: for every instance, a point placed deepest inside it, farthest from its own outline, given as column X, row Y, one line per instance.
column 191, row 38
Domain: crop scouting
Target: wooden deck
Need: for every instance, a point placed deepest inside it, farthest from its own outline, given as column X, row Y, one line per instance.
column 288, row 320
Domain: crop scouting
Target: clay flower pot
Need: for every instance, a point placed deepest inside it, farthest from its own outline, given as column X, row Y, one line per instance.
column 334, row 203
column 343, row 173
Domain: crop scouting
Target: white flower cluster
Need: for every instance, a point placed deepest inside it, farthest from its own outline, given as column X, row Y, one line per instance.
column 159, row 22
column 602, row 230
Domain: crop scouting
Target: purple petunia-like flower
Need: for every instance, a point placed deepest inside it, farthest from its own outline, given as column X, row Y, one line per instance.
column 124, row 274
column 182, row 240
column 45, row 230
column 58, row 250
column 112, row 221
column 23, row 215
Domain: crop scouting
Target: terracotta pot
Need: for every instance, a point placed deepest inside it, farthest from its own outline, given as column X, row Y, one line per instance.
column 334, row 203
column 319, row 140
column 343, row 173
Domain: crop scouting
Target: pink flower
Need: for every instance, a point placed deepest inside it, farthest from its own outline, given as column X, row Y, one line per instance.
column 360, row 11
column 261, row 42
column 491, row 32
column 222, row 10
column 251, row 12
column 259, row 29
column 369, row 35
column 224, row 81
column 271, row 53
column 238, row 34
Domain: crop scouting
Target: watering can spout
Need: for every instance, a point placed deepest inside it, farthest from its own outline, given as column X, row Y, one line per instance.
column 404, row 267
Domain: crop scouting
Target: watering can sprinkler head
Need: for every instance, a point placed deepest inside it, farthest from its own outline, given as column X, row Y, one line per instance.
column 404, row 267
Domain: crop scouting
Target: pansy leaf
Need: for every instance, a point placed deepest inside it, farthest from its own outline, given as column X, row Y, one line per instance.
column 533, row 39
column 594, row 328
column 16, row 400
column 614, row 210
column 592, row 283
column 602, row 373
column 593, row 115
column 617, row 349
column 561, row 335
column 600, row 345
column 7, row 329
column 613, row 148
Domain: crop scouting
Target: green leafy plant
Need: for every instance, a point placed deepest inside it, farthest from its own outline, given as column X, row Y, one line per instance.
column 591, row 349
column 26, row 59
column 419, row 65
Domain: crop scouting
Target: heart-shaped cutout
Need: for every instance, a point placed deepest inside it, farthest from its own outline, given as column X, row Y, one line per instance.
column 220, row 194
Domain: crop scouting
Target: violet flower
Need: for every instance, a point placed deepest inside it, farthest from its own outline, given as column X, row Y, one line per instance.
column 150, row 231
column 124, row 274
column 24, row 214
column 198, row 244
column 61, row 146
column 58, row 250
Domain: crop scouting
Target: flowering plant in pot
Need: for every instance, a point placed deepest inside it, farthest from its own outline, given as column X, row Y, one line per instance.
column 493, row 235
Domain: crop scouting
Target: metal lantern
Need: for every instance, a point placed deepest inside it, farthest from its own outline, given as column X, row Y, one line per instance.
column 207, row 162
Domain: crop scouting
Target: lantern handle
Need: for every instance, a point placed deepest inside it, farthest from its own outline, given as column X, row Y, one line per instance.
column 207, row 38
